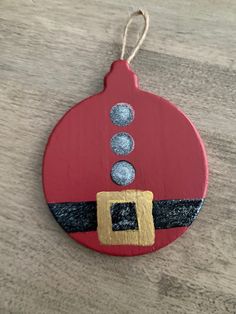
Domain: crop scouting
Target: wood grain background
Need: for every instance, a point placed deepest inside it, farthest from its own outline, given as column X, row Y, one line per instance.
column 55, row 53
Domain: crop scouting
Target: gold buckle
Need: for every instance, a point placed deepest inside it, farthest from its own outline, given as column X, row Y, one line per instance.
column 145, row 235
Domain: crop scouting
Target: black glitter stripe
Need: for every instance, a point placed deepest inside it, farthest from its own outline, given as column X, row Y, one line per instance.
column 175, row 213
column 82, row 216
column 73, row 217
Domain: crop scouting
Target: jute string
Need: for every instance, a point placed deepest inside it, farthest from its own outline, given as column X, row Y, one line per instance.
column 145, row 15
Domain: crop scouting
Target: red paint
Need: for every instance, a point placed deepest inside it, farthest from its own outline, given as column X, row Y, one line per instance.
column 169, row 155
column 163, row 236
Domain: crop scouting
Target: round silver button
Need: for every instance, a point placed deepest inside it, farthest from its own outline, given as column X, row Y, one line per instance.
column 123, row 173
column 122, row 143
column 122, row 114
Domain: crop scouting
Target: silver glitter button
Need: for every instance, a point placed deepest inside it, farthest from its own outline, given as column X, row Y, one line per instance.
column 122, row 143
column 122, row 114
column 122, row 173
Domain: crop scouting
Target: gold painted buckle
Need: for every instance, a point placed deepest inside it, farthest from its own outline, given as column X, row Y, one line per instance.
column 144, row 236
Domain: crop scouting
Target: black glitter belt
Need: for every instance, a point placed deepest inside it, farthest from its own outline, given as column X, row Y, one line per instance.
column 82, row 216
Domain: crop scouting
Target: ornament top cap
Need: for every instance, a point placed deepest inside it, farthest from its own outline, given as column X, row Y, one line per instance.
column 120, row 76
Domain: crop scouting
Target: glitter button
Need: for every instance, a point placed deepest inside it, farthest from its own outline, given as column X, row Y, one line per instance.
column 122, row 114
column 122, row 143
column 123, row 173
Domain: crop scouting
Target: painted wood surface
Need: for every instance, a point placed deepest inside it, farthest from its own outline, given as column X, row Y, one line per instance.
column 169, row 156
column 54, row 54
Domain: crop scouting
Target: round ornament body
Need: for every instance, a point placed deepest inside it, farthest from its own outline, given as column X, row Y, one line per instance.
column 122, row 163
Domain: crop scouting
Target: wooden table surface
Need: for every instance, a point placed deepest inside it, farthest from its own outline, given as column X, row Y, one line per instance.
column 52, row 55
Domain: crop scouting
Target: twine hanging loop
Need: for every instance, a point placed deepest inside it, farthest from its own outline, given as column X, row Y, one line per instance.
column 145, row 15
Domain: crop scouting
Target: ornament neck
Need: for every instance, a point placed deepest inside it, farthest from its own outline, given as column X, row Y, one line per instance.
column 120, row 77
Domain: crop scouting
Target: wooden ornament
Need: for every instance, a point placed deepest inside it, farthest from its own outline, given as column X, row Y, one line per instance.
column 125, row 171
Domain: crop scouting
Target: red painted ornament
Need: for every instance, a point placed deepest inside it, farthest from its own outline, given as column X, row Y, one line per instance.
column 166, row 155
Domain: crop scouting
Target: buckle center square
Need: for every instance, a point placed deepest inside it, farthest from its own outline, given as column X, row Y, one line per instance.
column 124, row 216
